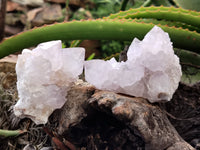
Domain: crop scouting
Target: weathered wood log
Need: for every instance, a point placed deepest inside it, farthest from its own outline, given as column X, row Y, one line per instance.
column 148, row 119
column 137, row 114
column 73, row 110
column 183, row 112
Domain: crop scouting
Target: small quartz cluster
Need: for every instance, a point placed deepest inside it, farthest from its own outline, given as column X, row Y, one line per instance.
column 44, row 75
column 152, row 70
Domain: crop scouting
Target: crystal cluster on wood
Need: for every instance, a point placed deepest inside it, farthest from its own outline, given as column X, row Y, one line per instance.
column 44, row 75
column 152, row 70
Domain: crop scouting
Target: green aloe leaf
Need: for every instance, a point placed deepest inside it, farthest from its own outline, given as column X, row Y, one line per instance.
column 188, row 4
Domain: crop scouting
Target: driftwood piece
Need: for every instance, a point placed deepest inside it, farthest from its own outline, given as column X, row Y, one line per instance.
column 143, row 118
column 183, row 112
column 149, row 119
column 73, row 110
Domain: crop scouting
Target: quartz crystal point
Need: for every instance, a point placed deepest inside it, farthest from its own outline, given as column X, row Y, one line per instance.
column 152, row 70
column 44, row 75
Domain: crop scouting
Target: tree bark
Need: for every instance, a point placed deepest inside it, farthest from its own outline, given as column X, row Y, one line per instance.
column 2, row 17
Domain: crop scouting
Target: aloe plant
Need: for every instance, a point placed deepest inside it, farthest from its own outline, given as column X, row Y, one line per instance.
column 188, row 4
column 121, row 26
column 182, row 26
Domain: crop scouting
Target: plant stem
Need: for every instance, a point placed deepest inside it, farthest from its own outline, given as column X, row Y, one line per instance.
column 8, row 133
column 2, row 17
column 124, row 4
column 161, row 2
column 147, row 3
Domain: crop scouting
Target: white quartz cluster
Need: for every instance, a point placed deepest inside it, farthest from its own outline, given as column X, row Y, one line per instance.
column 152, row 70
column 43, row 77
